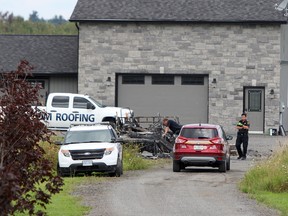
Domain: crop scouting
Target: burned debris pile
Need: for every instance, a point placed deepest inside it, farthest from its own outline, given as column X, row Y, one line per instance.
column 147, row 133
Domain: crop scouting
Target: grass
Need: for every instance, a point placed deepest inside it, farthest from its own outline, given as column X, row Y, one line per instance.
column 267, row 182
column 64, row 203
column 274, row 200
column 132, row 160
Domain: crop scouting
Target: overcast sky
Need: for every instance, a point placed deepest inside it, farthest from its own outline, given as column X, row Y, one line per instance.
column 46, row 9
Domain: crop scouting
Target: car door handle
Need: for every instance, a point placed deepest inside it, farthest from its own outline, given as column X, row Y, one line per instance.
column 53, row 110
column 75, row 112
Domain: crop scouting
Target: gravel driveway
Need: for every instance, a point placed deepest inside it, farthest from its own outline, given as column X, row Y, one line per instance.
column 195, row 191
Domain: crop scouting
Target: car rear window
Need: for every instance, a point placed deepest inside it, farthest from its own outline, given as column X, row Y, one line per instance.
column 199, row 133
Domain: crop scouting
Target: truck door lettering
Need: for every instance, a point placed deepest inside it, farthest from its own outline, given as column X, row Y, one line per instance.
column 46, row 116
column 64, row 117
column 58, row 116
column 77, row 117
column 91, row 118
column 73, row 117
column 84, row 117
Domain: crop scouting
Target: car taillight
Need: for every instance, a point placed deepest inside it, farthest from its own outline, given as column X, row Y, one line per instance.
column 217, row 140
column 221, row 147
column 179, row 143
column 213, row 147
column 180, row 140
column 218, row 143
column 217, row 147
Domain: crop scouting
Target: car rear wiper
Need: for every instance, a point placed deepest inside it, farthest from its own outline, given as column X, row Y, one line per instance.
column 202, row 137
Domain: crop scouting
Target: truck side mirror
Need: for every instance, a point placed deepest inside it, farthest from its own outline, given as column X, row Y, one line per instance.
column 90, row 106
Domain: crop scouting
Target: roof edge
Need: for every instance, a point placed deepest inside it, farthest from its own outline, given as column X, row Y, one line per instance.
column 180, row 21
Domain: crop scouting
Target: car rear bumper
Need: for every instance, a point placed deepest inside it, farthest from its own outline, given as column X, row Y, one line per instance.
column 198, row 160
column 202, row 160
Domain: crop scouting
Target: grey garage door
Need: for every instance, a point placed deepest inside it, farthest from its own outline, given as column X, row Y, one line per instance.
column 185, row 96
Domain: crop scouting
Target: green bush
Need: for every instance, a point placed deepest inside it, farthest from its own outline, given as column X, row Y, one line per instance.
column 132, row 160
column 51, row 150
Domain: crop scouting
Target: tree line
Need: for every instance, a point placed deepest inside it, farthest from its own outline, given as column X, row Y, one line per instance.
column 10, row 24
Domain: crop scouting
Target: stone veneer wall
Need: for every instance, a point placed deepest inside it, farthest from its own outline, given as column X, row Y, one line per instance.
column 235, row 55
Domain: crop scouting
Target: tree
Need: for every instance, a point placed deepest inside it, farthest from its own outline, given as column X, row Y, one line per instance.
column 10, row 24
column 34, row 17
column 57, row 20
column 26, row 176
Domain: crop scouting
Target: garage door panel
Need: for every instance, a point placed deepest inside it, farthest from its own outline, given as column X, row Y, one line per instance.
column 188, row 102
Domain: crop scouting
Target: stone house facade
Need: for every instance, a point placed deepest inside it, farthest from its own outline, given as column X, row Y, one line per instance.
column 239, row 55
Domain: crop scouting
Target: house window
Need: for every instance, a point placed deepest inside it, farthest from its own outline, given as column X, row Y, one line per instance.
column 192, row 80
column 133, row 79
column 254, row 100
column 41, row 83
column 60, row 102
column 162, row 79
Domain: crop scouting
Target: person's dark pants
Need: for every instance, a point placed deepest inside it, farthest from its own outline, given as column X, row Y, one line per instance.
column 242, row 138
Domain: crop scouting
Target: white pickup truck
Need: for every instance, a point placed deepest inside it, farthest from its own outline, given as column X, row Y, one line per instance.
column 64, row 109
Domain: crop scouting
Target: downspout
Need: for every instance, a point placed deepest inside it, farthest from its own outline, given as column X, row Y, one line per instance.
column 77, row 26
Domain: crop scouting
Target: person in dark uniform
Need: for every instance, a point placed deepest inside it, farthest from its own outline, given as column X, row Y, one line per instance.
column 171, row 125
column 242, row 136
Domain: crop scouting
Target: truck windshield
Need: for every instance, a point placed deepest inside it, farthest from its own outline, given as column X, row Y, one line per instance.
column 88, row 136
column 96, row 102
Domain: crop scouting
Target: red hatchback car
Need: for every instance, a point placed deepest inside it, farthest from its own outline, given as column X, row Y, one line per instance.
column 201, row 145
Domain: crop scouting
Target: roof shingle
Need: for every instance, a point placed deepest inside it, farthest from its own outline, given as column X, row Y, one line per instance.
column 178, row 10
column 49, row 54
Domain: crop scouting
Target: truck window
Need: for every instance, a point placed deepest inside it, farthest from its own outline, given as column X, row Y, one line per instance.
column 96, row 102
column 80, row 103
column 60, row 101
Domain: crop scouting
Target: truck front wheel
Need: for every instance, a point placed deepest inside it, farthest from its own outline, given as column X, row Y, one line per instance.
column 112, row 121
column 118, row 171
column 61, row 172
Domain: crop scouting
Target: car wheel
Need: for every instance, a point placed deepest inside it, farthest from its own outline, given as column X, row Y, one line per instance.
column 121, row 167
column 222, row 167
column 88, row 173
column 176, row 166
column 228, row 164
column 182, row 166
column 118, row 170
column 60, row 172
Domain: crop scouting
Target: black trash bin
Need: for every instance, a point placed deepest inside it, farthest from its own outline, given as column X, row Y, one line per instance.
column 272, row 132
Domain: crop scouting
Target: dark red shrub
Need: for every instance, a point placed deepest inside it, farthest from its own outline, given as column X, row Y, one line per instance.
column 22, row 163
